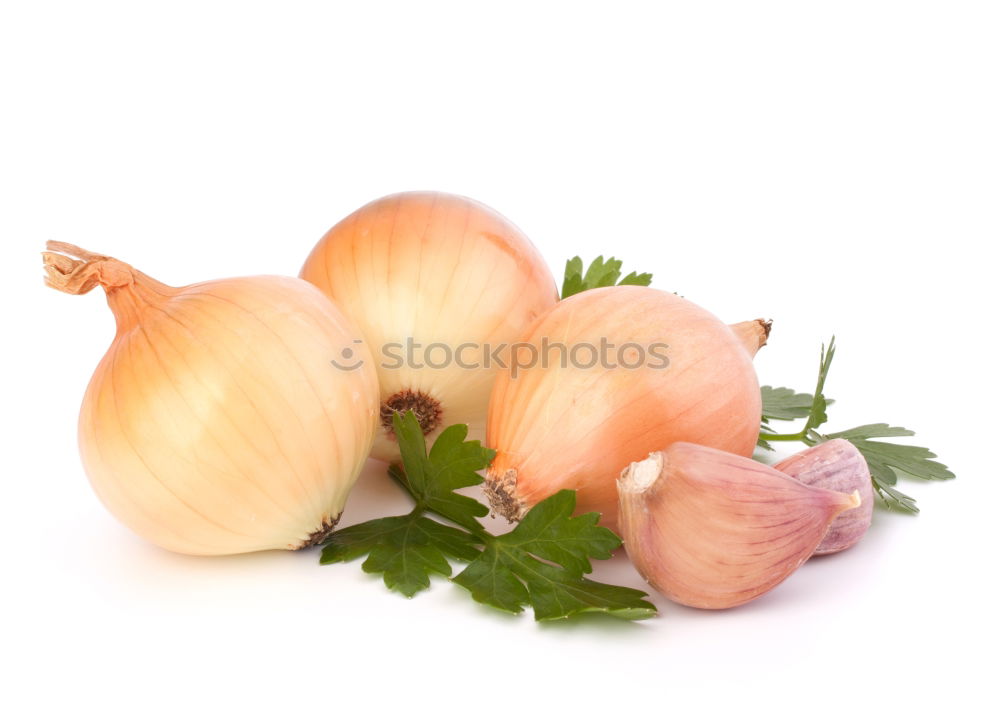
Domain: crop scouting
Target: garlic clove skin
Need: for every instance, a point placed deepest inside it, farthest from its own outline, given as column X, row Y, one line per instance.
column 836, row 465
column 713, row 530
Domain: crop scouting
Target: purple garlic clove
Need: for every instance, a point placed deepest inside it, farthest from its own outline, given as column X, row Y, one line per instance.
column 836, row 465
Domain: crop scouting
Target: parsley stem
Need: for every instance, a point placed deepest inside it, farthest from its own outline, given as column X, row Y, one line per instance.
column 801, row 435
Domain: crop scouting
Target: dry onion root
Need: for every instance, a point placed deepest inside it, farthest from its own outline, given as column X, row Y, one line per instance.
column 215, row 423
column 443, row 272
column 572, row 426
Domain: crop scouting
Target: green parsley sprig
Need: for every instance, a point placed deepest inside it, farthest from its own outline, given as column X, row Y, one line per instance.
column 886, row 461
column 599, row 273
column 542, row 563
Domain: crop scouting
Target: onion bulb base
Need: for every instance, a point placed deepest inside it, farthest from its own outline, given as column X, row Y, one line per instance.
column 501, row 493
column 426, row 408
column 324, row 531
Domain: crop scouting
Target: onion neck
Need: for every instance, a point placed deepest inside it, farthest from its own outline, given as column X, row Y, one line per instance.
column 73, row 270
column 752, row 334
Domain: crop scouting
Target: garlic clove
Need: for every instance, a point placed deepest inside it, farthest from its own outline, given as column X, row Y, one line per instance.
column 836, row 465
column 711, row 529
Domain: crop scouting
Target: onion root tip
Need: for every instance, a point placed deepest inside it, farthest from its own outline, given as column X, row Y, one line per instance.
column 426, row 408
column 500, row 491
column 324, row 531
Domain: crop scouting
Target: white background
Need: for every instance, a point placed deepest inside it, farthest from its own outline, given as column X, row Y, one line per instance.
column 833, row 166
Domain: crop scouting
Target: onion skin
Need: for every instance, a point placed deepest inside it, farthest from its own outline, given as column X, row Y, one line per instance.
column 571, row 427
column 215, row 423
column 753, row 334
column 713, row 530
column 437, row 268
column 836, row 465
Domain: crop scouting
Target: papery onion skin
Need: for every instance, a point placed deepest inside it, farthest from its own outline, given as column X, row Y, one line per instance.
column 569, row 427
column 753, row 334
column 437, row 268
column 713, row 530
column 215, row 423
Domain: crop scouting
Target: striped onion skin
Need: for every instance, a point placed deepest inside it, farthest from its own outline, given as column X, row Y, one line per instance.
column 713, row 530
column 215, row 423
column 439, row 269
column 574, row 426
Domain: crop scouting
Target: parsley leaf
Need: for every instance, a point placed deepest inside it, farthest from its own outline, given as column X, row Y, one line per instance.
column 886, row 461
column 542, row 562
column 406, row 549
column 452, row 464
column 817, row 412
column 762, row 443
column 783, row 404
column 599, row 273
column 894, row 499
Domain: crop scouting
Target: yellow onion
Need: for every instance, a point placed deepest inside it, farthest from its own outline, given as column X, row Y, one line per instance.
column 567, row 425
column 435, row 272
column 215, row 423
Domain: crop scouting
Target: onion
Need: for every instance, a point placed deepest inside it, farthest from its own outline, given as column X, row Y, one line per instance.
column 215, row 423
column 445, row 275
column 566, row 425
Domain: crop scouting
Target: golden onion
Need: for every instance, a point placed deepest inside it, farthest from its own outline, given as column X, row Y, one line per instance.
column 215, row 423
column 440, row 286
